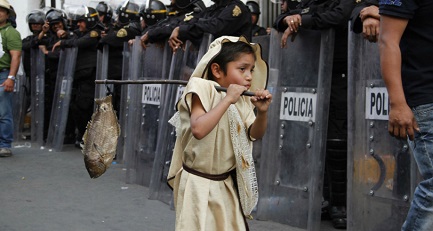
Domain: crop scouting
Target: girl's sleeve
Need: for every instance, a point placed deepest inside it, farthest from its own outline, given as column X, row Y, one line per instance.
column 203, row 88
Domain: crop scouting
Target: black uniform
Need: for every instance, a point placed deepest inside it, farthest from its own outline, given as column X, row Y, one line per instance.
column 258, row 30
column 115, row 39
column 292, row 4
column 324, row 14
column 83, row 87
column 225, row 17
column 161, row 31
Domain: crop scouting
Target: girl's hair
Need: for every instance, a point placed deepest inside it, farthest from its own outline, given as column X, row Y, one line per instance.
column 230, row 51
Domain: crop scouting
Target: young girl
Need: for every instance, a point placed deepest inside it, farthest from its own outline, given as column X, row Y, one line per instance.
column 214, row 137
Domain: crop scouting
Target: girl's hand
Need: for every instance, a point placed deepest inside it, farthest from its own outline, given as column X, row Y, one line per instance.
column 234, row 92
column 262, row 100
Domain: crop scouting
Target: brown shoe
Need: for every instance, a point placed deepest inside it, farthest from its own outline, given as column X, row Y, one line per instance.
column 5, row 152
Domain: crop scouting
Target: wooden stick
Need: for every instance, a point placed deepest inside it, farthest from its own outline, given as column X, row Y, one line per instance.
column 160, row 81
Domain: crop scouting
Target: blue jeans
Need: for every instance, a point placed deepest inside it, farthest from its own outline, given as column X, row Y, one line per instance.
column 6, row 116
column 420, row 216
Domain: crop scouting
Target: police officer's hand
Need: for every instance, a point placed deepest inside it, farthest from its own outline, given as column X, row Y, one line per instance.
column 402, row 123
column 103, row 33
column 46, row 27
column 370, row 11
column 287, row 33
column 43, row 48
column 130, row 42
column 144, row 39
column 44, row 30
column 8, row 85
column 61, row 34
column 174, row 42
column 293, row 22
column 56, row 45
column 370, row 29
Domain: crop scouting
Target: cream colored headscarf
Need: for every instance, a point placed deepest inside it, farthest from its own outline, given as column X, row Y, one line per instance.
column 260, row 74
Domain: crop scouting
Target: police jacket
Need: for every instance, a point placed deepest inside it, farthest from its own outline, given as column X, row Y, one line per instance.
column 225, row 17
column 115, row 39
column 356, row 23
column 258, row 30
column 86, row 42
column 320, row 14
column 162, row 30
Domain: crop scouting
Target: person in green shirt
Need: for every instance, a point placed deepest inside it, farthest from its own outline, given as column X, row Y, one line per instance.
column 10, row 57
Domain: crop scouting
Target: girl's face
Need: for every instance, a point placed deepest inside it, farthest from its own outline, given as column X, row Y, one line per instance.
column 239, row 71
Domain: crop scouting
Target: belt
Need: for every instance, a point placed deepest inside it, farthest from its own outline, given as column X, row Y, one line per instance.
column 214, row 177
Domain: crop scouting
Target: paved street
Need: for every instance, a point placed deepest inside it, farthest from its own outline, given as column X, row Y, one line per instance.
column 50, row 191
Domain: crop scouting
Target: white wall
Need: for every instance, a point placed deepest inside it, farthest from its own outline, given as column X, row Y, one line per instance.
column 22, row 8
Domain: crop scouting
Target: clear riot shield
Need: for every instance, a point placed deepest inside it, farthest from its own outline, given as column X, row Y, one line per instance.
column 382, row 174
column 153, row 66
column 293, row 154
column 264, row 41
column 37, row 96
column 20, row 105
column 130, row 148
column 204, row 45
column 182, row 66
column 101, row 73
column 124, row 105
column 62, row 97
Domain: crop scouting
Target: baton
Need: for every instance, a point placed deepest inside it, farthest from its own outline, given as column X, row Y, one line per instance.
column 161, row 81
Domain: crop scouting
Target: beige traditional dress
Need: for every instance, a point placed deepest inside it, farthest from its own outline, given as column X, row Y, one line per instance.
column 203, row 203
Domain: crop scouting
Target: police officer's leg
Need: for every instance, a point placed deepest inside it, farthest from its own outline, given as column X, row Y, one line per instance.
column 82, row 105
column 336, row 151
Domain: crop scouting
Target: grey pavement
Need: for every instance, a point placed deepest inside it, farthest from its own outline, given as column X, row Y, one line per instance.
column 51, row 191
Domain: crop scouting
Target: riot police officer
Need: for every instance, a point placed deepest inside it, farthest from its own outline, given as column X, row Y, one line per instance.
column 105, row 15
column 255, row 14
column 154, row 13
column 225, row 17
column 35, row 20
column 54, row 29
column 126, row 27
column 86, row 39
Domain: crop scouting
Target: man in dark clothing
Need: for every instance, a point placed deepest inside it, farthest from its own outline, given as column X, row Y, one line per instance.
column 255, row 14
column 311, row 14
column 53, row 30
column 86, row 39
column 225, row 17
column 35, row 20
column 406, row 51
column 105, row 15
column 127, row 27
